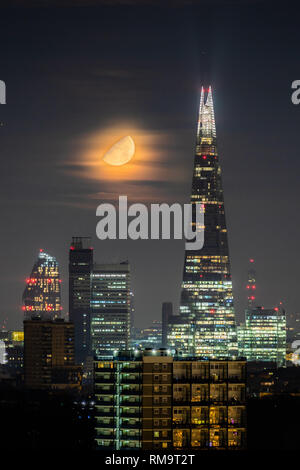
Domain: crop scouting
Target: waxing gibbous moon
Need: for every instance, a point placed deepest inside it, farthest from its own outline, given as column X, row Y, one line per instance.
column 121, row 152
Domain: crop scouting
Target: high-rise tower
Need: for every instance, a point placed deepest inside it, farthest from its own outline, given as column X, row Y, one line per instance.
column 41, row 297
column 110, row 308
column 206, row 299
column 80, row 268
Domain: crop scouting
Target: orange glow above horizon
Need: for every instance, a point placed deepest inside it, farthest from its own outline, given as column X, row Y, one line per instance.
column 143, row 166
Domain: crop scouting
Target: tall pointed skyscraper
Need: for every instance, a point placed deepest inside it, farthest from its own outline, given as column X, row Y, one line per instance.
column 207, row 321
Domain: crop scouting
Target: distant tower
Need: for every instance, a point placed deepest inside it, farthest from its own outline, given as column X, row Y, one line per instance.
column 167, row 312
column 80, row 268
column 41, row 297
column 251, row 285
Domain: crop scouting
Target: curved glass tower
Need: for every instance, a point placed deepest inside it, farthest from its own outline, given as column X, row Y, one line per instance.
column 41, row 296
column 206, row 307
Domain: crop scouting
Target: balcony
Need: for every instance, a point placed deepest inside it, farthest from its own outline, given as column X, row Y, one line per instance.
column 130, row 414
column 181, row 379
column 129, row 437
column 130, row 392
column 198, row 379
column 236, row 379
column 105, row 425
column 130, row 403
column 103, row 369
column 130, row 426
column 100, row 380
column 133, row 369
column 125, row 380
column 105, row 436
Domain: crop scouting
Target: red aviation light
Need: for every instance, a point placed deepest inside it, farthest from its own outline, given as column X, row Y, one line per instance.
column 251, row 260
column 72, row 247
column 276, row 309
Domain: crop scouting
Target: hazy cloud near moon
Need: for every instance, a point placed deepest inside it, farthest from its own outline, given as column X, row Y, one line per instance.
column 150, row 169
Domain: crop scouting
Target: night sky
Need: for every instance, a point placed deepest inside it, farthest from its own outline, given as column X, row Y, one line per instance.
column 76, row 75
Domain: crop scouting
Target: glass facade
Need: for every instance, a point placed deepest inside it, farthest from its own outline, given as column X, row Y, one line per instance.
column 41, row 296
column 152, row 400
column 80, row 268
column 206, row 298
column 263, row 336
column 110, row 308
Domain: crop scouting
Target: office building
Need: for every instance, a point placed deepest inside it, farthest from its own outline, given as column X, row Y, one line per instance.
column 49, row 355
column 41, row 296
column 262, row 338
column 167, row 312
column 150, row 337
column 110, row 308
column 15, row 351
column 153, row 401
column 80, row 268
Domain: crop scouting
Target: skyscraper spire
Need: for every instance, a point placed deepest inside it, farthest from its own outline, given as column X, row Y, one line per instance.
column 206, row 309
column 206, row 120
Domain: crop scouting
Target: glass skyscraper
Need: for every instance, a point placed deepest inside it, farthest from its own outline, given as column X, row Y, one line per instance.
column 263, row 336
column 110, row 308
column 41, row 296
column 80, row 268
column 206, row 307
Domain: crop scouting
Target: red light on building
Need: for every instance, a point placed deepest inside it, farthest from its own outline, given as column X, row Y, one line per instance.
column 204, row 157
column 276, row 309
column 72, row 247
column 23, row 308
column 251, row 260
column 248, row 287
column 212, row 311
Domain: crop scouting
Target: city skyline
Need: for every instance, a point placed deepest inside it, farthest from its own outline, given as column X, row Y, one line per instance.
column 149, row 229
column 47, row 197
